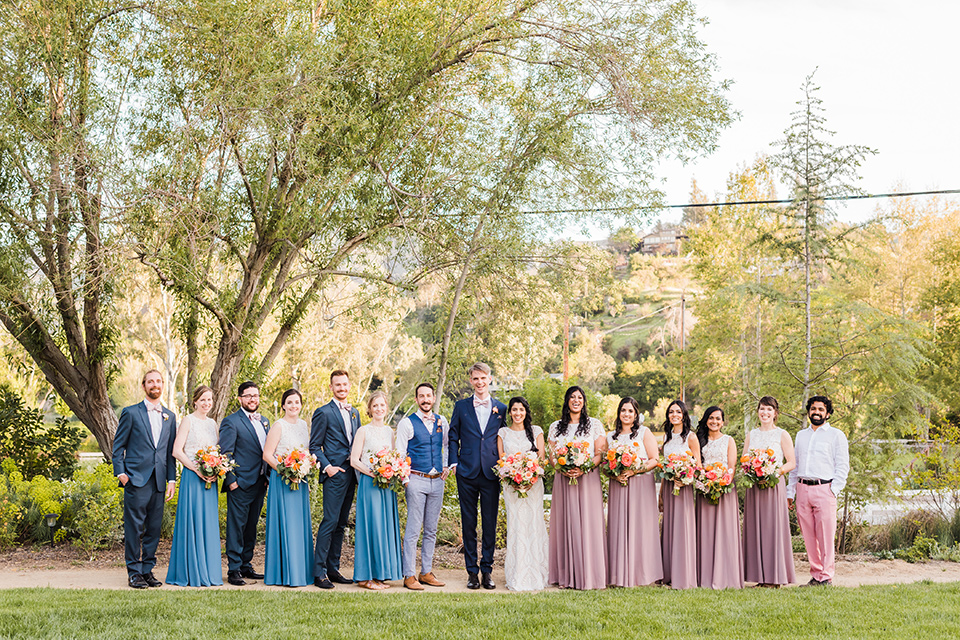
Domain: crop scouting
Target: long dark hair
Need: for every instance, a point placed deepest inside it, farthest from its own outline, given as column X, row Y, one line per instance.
column 618, row 426
column 703, row 433
column 584, row 427
column 527, row 420
column 668, row 428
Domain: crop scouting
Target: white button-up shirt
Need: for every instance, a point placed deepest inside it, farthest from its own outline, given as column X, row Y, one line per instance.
column 405, row 434
column 483, row 412
column 155, row 415
column 822, row 454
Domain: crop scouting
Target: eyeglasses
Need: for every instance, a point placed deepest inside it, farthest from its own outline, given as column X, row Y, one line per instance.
column 249, row 396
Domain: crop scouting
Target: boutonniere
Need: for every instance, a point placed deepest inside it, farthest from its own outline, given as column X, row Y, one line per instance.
column 165, row 416
column 496, row 411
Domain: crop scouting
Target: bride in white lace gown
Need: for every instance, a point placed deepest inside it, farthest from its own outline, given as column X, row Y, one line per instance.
column 526, row 562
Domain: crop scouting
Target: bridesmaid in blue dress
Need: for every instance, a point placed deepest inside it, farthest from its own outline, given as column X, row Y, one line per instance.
column 377, row 548
column 195, row 552
column 289, row 544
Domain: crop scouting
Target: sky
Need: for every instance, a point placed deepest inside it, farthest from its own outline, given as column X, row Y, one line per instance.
column 888, row 72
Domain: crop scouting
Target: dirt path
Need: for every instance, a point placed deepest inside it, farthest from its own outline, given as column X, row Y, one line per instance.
column 65, row 567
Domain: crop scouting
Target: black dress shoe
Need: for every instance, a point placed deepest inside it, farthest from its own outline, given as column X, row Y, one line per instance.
column 337, row 578
column 323, row 583
column 151, row 580
column 250, row 573
column 234, row 578
column 487, row 581
column 473, row 581
column 137, row 582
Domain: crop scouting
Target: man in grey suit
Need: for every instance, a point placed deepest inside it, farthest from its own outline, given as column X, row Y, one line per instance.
column 242, row 435
column 331, row 436
column 143, row 463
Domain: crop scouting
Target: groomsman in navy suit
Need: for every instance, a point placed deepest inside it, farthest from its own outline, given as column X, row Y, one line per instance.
column 331, row 435
column 242, row 435
column 473, row 455
column 143, row 463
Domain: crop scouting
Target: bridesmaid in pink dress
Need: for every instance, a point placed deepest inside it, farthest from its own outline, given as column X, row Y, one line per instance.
column 633, row 531
column 678, row 542
column 720, row 556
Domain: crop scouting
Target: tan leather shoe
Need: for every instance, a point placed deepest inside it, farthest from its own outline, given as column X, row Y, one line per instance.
column 411, row 583
column 432, row 580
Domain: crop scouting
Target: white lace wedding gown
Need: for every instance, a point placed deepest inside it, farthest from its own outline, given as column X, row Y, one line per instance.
column 526, row 563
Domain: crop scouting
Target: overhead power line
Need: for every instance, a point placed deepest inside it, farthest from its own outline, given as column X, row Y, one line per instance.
column 906, row 194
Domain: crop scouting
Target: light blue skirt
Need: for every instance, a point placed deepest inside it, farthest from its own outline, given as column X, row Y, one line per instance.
column 289, row 545
column 377, row 548
column 195, row 552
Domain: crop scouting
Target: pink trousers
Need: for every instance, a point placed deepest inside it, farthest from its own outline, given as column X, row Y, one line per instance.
column 817, row 515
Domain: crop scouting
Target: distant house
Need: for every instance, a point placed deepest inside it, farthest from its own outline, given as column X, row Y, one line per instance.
column 663, row 242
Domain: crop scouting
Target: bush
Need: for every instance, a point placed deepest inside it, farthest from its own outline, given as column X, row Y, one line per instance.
column 35, row 448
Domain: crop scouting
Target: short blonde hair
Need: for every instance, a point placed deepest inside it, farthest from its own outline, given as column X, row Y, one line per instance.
column 479, row 366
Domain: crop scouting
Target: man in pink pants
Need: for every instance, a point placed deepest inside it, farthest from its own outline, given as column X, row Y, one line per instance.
column 823, row 462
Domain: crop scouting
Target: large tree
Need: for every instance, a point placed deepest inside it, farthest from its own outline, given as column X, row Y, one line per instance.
column 285, row 149
column 63, row 79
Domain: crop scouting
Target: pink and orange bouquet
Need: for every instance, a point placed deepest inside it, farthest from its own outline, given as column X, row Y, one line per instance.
column 623, row 458
column 577, row 454
column 713, row 481
column 760, row 468
column 678, row 468
column 211, row 463
column 296, row 467
column 520, row 471
column 390, row 469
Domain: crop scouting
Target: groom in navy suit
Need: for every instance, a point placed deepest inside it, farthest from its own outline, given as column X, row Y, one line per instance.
column 331, row 436
column 473, row 455
column 143, row 463
column 242, row 435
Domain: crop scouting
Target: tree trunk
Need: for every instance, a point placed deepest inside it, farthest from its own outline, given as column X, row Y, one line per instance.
column 451, row 320
column 225, row 370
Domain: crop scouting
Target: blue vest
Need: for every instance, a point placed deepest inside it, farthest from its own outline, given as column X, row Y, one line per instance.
column 426, row 447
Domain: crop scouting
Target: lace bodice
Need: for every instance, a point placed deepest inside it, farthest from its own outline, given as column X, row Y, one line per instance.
column 625, row 438
column 676, row 444
column 517, row 441
column 760, row 439
column 375, row 439
column 715, row 450
column 596, row 431
column 292, row 436
column 202, row 434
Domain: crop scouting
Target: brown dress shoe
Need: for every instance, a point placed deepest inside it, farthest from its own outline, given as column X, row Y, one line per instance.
column 430, row 579
column 411, row 583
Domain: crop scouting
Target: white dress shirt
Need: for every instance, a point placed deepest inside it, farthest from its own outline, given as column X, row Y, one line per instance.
column 822, row 454
column 347, row 424
column 257, row 427
column 483, row 411
column 155, row 414
column 405, row 434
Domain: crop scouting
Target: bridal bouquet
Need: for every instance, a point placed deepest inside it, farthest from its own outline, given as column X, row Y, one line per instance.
column 390, row 469
column 623, row 458
column 212, row 463
column 678, row 468
column 760, row 468
column 520, row 471
column 577, row 454
column 713, row 481
column 296, row 467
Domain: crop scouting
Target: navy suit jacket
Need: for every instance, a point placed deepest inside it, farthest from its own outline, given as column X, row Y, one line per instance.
column 328, row 439
column 238, row 439
column 134, row 452
column 474, row 452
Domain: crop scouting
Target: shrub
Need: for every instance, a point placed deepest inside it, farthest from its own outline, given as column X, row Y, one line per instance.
column 35, row 448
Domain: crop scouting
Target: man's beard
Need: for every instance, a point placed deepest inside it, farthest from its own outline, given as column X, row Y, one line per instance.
column 154, row 394
column 817, row 420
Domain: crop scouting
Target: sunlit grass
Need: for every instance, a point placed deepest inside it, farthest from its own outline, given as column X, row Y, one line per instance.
column 919, row 610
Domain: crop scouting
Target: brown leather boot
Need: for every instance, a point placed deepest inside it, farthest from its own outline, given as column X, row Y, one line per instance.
column 411, row 583
column 432, row 580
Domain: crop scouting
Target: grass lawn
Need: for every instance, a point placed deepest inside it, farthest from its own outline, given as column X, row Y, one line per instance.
column 918, row 610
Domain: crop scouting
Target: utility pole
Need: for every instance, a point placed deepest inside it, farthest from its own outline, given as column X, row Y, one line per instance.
column 683, row 339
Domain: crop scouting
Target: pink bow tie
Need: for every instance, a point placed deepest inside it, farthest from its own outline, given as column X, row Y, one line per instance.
column 255, row 417
column 427, row 418
column 156, row 408
column 346, row 407
column 477, row 402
